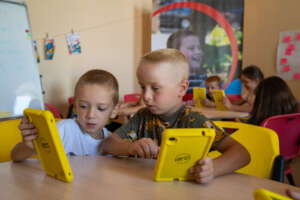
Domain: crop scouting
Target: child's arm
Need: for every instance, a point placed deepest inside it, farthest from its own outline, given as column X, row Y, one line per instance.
column 208, row 103
column 293, row 194
column 144, row 148
column 234, row 156
column 246, row 107
column 25, row 149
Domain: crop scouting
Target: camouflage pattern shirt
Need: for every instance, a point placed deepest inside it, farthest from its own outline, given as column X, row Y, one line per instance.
column 144, row 124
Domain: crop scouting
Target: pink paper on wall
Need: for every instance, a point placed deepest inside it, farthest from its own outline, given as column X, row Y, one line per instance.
column 287, row 38
column 297, row 76
column 286, row 68
column 288, row 55
column 288, row 52
column 291, row 47
column 283, row 61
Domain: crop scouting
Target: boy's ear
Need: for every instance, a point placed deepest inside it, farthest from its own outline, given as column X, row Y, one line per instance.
column 184, row 84
column 115, row 111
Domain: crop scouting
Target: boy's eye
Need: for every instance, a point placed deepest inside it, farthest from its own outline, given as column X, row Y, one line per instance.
column 101, row 108
column 82, row 106
column 155, row 88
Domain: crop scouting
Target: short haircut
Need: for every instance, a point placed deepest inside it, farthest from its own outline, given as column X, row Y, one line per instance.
column 253, row 72
column 177, row 61
column 175, row 39
column 99, row 77
column 214, row 79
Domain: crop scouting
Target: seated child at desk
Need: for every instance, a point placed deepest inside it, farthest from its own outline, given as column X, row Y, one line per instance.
column 273, row 97
column 250, row 77
column 96, row 98
column 211, row 83
column 163, row 77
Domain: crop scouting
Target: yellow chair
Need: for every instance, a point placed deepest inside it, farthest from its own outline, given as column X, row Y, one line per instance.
column 261, row 143
column 10, row 135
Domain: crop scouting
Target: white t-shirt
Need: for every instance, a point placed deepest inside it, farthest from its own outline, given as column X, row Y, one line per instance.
column 76, row 142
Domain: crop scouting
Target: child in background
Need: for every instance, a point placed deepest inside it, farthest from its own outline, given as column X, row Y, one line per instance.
column 211, row 83
column 189, row 44
column 163, row 77
column 95, row 100
column 250, row 77
column 273, row 97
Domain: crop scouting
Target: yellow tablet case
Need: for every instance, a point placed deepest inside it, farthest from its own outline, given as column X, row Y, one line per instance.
column 199, row 94
column 263, row 194
column 180, row 149
column 218, row 97
column 49, row 146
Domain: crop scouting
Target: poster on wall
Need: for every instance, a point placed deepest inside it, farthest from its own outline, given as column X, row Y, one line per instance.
column 73, row 41
column 288, row 53
column 49, row 48
column 207, row 32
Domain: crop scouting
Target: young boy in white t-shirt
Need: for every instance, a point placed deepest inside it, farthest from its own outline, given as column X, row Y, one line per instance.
column 95, row 100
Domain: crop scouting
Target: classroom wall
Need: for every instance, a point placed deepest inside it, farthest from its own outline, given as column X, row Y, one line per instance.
column 263, row 20
column 114, row 34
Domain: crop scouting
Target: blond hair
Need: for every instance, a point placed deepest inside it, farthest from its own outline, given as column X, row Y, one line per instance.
column 99, row 77
column 173, row 57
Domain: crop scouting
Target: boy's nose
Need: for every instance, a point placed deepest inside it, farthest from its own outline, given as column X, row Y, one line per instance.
column 91, row 113
column 147, row 95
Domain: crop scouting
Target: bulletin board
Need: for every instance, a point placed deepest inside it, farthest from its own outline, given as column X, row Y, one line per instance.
column 19, row 76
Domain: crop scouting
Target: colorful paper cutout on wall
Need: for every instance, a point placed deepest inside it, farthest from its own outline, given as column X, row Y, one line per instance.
column 288, row 53
column 297, row 76
column 283, row 61
column 287, row 38
column 291, row 47
column 49, row 48
column 73, row 41
column 286, row 68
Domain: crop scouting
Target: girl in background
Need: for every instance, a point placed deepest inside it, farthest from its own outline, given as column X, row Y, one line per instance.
column 251, row 76
column 273, row 97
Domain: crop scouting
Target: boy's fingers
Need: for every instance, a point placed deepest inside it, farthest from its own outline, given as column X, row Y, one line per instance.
column 203, row 174
column 146, row 148
column 154, row 150
column 203, row 180
column 139, row 151
column 25, row 126
column 29, row 132
column 29, row 138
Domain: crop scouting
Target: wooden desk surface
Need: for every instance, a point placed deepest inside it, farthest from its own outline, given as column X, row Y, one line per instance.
column 213, row 113
column 101, row 177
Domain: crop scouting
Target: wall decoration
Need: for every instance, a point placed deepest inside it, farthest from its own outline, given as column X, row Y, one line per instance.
column 73, row 41
column 288, row 53
column 49, row 48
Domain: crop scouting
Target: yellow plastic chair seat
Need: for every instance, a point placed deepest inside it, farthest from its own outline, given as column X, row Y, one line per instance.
column 261, row 143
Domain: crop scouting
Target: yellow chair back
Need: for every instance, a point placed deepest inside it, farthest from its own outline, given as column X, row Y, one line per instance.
column 261, row 143
column 10, row 135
